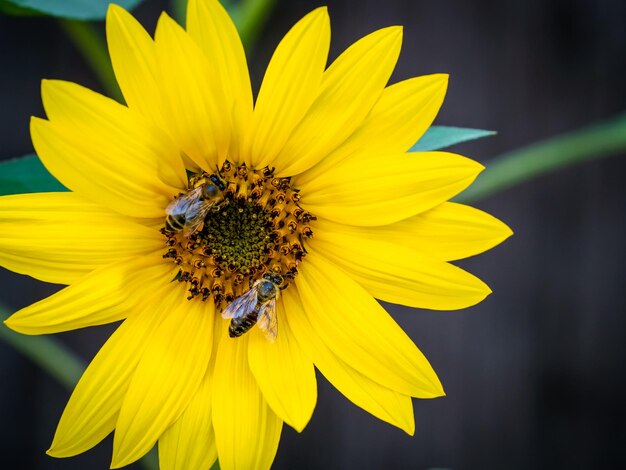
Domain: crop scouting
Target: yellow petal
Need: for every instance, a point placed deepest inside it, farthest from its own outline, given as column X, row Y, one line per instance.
column 133, row 57
column 126, row 137
column 351, row 86
column 371, row 190
column 395, row 272
column 195, row 107
column 92, row 411
column 284, row 374
column 403, row 113
column 167, row 377
column 447, row 232
column 189, row 444
column 105, row 151
column 106, row 295
column 290, row 85
column 84, row 169
column 452, row 231
column 247, row 431
column 361, row 332
column 213, row 30
column 382, row 402
column 60, row 237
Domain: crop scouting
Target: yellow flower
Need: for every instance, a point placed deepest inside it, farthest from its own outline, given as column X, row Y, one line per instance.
column 190, row 196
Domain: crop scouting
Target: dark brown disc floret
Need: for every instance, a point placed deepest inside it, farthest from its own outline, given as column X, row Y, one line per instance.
column 251, row 224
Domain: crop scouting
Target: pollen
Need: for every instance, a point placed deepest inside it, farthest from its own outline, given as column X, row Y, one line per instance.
column 250, row 225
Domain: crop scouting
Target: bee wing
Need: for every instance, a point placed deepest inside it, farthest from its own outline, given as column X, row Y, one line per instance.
column 195, row 216
column 242, row 305
column 268, row 320
column 181, row 204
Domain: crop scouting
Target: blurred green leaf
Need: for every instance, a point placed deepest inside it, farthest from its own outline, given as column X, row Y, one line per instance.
column 73, row 9
column 439, row 137
column 589, row 143
column 26, row 175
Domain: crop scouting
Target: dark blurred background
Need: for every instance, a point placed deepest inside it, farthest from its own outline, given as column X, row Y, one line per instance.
column 534, row 375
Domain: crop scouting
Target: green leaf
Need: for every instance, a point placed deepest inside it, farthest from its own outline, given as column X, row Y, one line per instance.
column 73, row 9
column 439, row 137
column 26, row 175
column 596, row 141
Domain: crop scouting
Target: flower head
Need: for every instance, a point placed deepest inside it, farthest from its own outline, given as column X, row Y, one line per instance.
column 243, row 245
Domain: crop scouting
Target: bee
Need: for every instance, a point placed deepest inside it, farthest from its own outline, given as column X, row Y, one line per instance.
column 257, row 306
column 187, row 212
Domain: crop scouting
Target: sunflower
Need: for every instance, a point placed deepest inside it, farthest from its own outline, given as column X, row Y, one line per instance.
column 289, row 217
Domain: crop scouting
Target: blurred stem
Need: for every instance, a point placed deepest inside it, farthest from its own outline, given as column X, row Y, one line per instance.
column 58, row 361
column 512, row 168
column 150, row 461
column 250, row 17
column 93, row 48
column 179, row 11
column 47, row 353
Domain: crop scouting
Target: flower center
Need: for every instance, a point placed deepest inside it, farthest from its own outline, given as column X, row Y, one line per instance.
column 232, row 227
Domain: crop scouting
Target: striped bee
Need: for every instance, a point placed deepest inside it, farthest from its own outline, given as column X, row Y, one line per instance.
column 256, row 306
column 188, row 211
